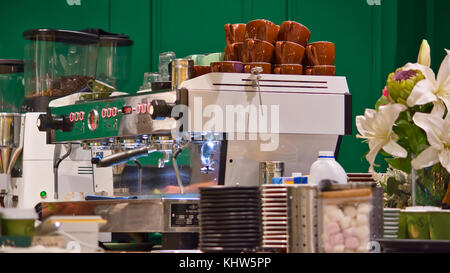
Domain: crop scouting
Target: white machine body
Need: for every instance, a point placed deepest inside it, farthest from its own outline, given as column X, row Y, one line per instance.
column 76, row 174
column 270, row 117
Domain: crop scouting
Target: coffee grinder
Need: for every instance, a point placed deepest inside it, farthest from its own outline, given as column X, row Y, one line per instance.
column 58, row 65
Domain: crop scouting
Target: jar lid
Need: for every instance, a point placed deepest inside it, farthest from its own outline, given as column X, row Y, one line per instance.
column 10, row 66
column 61, row 35
column 15, row 213
column 110, row 39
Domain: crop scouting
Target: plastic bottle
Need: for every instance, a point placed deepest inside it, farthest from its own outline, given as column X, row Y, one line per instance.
column 326, row 167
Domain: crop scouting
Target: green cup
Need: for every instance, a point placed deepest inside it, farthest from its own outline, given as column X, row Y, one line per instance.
column 439, row 225
column 417, row 224
column 18, row 222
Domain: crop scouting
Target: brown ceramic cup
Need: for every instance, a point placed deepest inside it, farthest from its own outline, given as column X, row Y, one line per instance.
column 321, row 70
column 257, row 51
column 321, row 53
column 200, row 70
column 288, row 53
column 234, row 33
column 233, row 52
column 262, row 30
column 266, row 67
column 229, row 67
column 294, row 32
column 290, row 69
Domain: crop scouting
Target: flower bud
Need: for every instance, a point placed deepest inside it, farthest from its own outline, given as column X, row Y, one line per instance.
column 424, row 57
column 400, row 84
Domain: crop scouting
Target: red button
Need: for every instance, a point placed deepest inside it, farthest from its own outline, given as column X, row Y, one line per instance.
column 126, row 110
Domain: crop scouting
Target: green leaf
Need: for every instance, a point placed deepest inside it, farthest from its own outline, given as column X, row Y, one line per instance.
column 381, row 101
column 402, row 164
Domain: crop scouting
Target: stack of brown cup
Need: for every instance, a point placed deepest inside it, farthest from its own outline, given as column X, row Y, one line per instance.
column 234, row 39
column 290, row 48
column 251, row 44
column 320, row 59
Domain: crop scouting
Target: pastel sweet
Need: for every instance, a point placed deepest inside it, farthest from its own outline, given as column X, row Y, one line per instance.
column 351, row 242
column 337, row 239
column 339, row 249
column 336, row 215
column 362, row 220
column 349, row 232
column 364, row 208
column 345, row 222
column 363, row 232
column 333, row 228
column 350, row 211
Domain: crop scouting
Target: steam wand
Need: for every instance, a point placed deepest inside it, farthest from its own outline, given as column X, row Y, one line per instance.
column 176, row 150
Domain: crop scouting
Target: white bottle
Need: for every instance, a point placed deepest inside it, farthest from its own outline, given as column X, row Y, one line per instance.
column 326, row 167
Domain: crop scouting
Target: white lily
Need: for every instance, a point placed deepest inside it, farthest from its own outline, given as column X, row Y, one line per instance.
column 438, row 135
column 432, row 88
column 376, row 128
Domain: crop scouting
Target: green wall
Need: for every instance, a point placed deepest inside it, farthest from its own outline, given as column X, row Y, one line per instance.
column 371, row 40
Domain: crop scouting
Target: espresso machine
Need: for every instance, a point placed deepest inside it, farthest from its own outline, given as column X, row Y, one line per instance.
column 229, row 122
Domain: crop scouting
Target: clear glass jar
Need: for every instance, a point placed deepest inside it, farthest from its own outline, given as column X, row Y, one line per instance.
column 11, row 85
column 57, row 63
column 114, row 60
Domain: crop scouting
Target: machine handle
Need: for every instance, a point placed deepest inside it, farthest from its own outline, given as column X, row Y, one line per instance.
column 122, row 157
column 47, row 122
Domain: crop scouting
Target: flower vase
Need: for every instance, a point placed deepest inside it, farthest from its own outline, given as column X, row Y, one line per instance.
column 431, row 185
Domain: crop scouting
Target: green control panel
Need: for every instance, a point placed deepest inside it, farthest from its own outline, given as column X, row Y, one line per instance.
column 92, row 120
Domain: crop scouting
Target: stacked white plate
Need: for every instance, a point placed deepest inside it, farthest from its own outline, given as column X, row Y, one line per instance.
column 274, row 216
column 390, row 223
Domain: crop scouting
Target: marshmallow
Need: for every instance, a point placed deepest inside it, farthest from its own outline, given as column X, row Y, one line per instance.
column 337, row 239
column 362, row 249
column 336, row 215
column 345, row 222
column 328, row 247
column 352, row 242
column 349, row 232
column 339, row 249
column 333, row 228
column 364, row 208
column 350, row 211
column 362, row 220
column 363, row 232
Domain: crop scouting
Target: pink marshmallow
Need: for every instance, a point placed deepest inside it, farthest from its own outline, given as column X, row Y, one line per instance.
column 328, row 247
column 352, row 242
column 349, row 232
column 333, row 228
column 337, row 239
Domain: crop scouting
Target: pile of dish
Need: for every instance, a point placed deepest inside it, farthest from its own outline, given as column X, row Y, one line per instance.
column 390, row 220
column 274, row 217
column 230, row 219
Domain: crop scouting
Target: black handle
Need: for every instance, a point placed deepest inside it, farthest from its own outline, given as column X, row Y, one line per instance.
column 48, row 122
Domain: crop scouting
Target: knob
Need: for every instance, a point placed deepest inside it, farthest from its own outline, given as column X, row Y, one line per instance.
column 159, row 109
column 46, row 122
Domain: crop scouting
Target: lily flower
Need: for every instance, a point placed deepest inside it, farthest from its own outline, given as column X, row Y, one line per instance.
column 432, row 88
column 376, row 128
column 438, row 136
